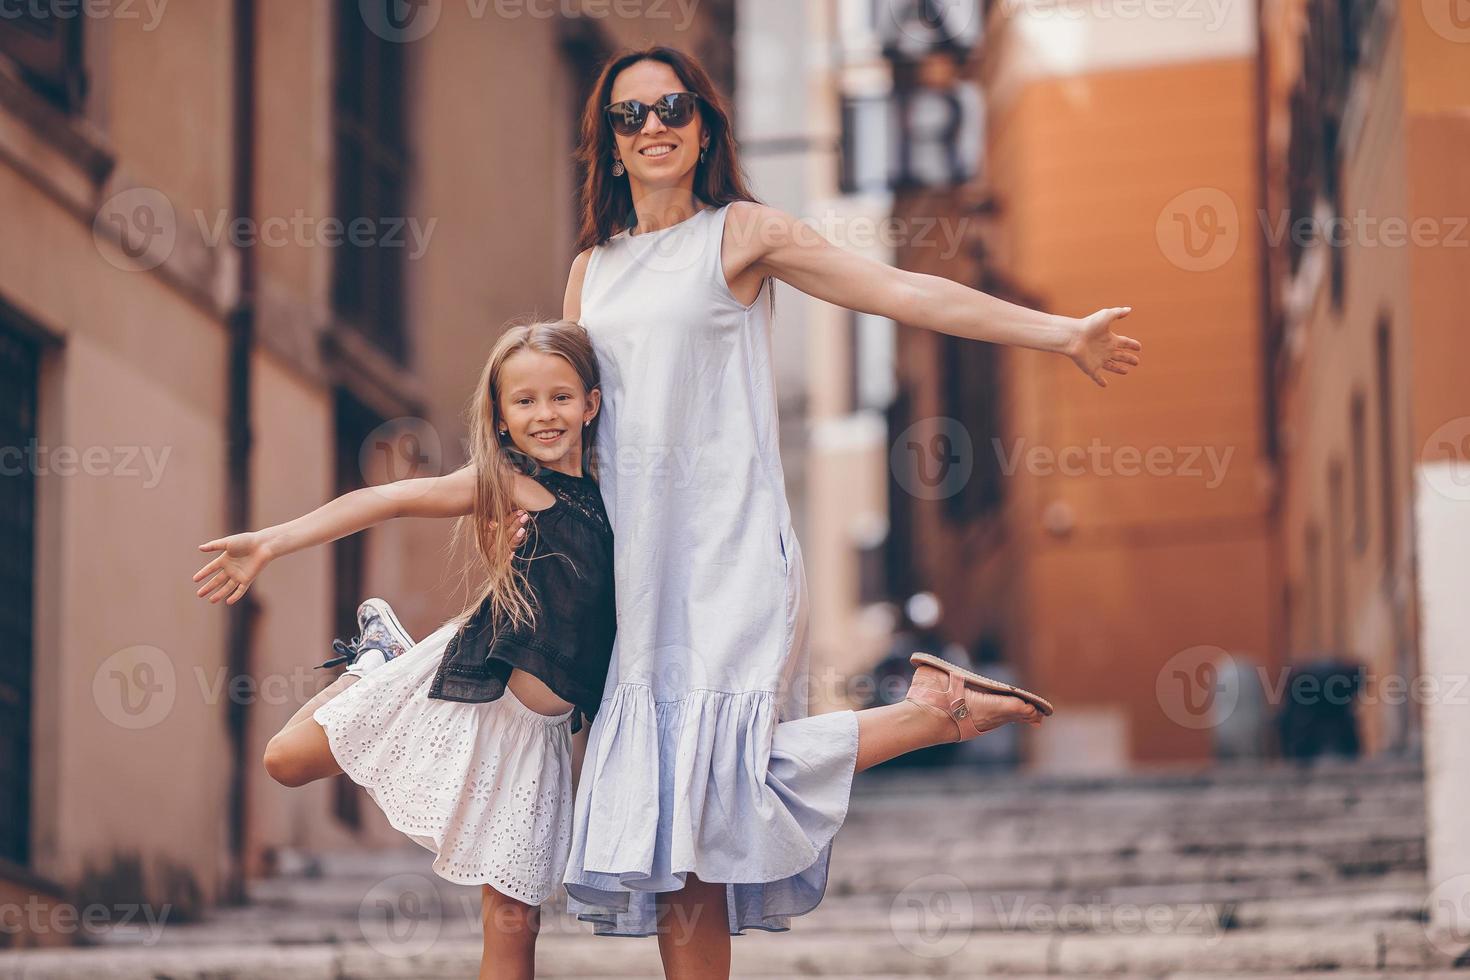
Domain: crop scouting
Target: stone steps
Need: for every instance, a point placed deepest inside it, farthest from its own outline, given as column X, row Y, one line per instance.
column 1403, row 949
column 1269, row 873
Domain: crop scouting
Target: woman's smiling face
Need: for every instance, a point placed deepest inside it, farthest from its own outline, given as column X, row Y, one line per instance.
column 543, row 407
column 658, row 156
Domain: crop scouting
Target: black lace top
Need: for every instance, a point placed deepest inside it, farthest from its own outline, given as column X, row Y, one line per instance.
column 568, row 562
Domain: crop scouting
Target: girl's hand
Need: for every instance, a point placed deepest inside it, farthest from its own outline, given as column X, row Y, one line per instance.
column 521, row 517
column 244, row 555
column 1096, row 348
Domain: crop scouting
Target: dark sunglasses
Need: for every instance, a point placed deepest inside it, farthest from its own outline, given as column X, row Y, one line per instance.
column 675, row 110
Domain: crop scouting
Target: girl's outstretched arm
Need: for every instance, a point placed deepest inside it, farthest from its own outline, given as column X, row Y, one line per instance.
column 243, row 556
column 778, row 245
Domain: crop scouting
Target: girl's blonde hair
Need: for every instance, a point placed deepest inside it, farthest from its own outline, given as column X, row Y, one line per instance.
column 496, row 460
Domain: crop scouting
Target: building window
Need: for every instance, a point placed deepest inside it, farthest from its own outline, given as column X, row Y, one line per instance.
column 1313, row 556
column 353, row 423
column 1358, row 425
column 937, row 118
column 47, row 48
column 1337, row 555
column 371, row 176
column 866, row 145
column 19, row 373
column 1336, row 246
column 1386, row 482
column 871, row 354
column 970, row 376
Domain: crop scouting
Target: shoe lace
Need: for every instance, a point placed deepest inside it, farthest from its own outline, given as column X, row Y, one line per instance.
column 346, row 652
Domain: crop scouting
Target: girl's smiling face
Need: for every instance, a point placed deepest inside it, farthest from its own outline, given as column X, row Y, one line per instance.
column 658, row 156
column 544, row 408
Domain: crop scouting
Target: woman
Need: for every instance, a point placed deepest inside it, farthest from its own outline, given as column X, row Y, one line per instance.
column 708, row 799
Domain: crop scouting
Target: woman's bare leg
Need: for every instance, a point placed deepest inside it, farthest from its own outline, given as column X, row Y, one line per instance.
column 694, row 931
column 511, row 927
column 892, row 730
column 300, row 753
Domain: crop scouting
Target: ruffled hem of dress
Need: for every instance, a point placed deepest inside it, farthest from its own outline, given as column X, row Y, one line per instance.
column 740, row 799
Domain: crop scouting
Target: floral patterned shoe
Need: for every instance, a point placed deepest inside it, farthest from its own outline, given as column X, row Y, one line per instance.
column 381, row 637
column 940, row 685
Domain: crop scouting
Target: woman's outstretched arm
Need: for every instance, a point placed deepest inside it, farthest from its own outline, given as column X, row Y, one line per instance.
column 776, row 244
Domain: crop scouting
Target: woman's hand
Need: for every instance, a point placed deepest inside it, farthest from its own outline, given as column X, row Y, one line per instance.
column 1096, row 348
column 243, row 558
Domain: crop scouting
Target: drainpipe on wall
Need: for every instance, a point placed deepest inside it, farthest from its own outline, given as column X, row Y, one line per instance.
column 240, row 322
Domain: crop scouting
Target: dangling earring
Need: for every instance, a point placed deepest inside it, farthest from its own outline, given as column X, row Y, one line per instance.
column 618, row 168
column 702, row 151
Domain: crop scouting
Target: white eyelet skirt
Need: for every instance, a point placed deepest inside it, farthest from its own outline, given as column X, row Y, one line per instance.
column 486, row 787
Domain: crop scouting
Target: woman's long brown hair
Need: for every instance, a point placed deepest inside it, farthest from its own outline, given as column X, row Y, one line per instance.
column 495, row 460
column 607, row 201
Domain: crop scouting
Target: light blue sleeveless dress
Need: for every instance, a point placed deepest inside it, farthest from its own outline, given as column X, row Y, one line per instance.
column 702, row 757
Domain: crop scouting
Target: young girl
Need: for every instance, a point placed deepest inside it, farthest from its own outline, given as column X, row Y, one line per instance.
column 463, row 739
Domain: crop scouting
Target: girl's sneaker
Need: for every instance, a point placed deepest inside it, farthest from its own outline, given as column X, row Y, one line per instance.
column 381, row 637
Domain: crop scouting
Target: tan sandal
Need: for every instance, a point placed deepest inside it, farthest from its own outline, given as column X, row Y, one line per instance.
column 950, row 699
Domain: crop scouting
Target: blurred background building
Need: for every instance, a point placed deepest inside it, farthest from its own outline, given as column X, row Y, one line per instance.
column 1281, row 488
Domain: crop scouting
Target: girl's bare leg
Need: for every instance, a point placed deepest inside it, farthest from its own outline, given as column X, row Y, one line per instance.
column 300, row 753
column 510, row 927
column 694, row 932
